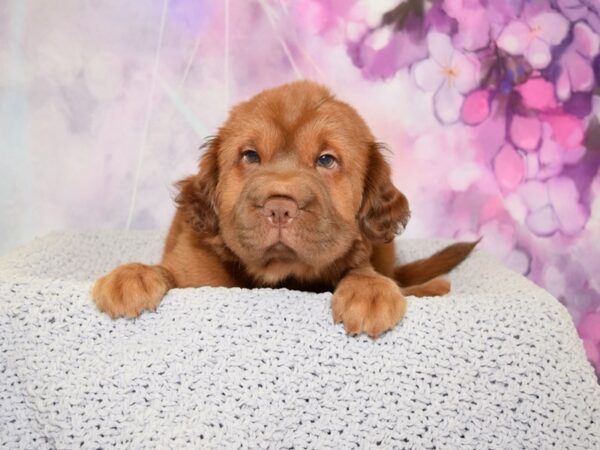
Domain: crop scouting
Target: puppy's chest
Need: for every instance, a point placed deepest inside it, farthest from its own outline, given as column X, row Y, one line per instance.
column 248, row 281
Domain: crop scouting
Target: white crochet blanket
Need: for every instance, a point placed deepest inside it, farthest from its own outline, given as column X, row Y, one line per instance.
column 496, row 364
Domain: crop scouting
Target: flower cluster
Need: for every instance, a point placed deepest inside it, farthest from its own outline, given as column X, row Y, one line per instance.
column 531, row 72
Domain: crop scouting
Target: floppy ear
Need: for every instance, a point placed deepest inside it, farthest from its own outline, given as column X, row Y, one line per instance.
column 384, row 210
column 197, row 194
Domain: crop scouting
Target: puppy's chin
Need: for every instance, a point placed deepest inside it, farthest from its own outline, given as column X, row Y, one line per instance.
column 279, row 251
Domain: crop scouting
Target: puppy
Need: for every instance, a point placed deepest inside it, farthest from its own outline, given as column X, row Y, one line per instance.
column 293, row 192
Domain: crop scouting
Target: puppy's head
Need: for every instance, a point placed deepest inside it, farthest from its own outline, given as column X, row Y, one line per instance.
column 292, row 183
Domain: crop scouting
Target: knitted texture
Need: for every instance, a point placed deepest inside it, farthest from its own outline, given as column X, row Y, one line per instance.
column 495, row 364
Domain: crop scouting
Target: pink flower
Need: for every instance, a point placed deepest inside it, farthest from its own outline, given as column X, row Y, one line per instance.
column 476, row 107
column 534, row 37
column 550, row 158
column 509, row 168
column 576, row 72
column 537, row 93
column 553, row 154
column 447, row 72
column 525, row 132
column 567, row 130
column 564, row 198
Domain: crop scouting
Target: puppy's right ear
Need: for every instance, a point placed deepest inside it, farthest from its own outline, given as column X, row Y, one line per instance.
column 197, row 194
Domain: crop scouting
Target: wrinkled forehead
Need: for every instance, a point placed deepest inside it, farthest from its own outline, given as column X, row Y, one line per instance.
column 296, row 124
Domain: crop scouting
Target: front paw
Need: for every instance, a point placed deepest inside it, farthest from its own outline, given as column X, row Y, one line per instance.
column 368, row 303
column 130, row 289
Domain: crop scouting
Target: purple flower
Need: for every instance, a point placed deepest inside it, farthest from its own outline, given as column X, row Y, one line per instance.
column 588, row 10
column 509, row 168
column 447, row 72
column 478, row 21
column 381, row 53
column 534, row 37
column 390, row 35
column 576, row 72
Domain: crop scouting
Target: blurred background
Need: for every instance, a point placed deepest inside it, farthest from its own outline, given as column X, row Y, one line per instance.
column 491, row 110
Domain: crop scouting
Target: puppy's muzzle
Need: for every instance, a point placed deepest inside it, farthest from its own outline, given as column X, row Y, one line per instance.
column 280, row 210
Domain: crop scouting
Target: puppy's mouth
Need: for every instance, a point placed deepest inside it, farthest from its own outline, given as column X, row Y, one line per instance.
column 279, row 252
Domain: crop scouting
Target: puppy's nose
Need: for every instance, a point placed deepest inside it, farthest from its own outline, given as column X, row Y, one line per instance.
column 280, row 210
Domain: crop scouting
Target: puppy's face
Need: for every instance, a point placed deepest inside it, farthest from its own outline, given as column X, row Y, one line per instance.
column 294, row 181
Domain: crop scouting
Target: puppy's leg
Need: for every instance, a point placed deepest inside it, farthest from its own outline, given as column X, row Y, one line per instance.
column 432, row 288
column 367, row 302
column 132, row 288
column 383, row 259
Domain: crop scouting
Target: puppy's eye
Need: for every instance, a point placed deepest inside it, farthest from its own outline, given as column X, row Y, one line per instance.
column 250, row 156
column 327, row 161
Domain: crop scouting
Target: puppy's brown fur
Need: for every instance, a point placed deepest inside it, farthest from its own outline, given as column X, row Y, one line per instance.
column 292, row 192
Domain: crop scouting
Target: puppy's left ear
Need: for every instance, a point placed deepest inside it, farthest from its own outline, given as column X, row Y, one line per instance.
column 384, row 211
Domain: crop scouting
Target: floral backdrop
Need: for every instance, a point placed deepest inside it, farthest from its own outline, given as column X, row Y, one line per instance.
column 491, row 108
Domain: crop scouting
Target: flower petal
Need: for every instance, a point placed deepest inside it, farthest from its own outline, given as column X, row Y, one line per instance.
column 543, row 222
column 500, row 237
column 525, row 132
column 553, row 280
column 509, row 168
column 355, row 30
column 380, row 38
column 400, row 52
column 567, row 130
column 534, row 195
column 580, row 73
column 550, row 152
column 550, row 26
column 476, row 107
column 565, row 200
column 537, row 93
column 580, row 104
column 538, row 53
column 447, row 102
column 467, row 72
column 440, row 48
column 473, row 23
column 514, row 38
column 473, row 35
column 585, row 41
column 516, row 207
column 574, row 155
column 428, row 75
column 563, row 85
column 572, row 9
column 532, row 163
column 519, row 261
